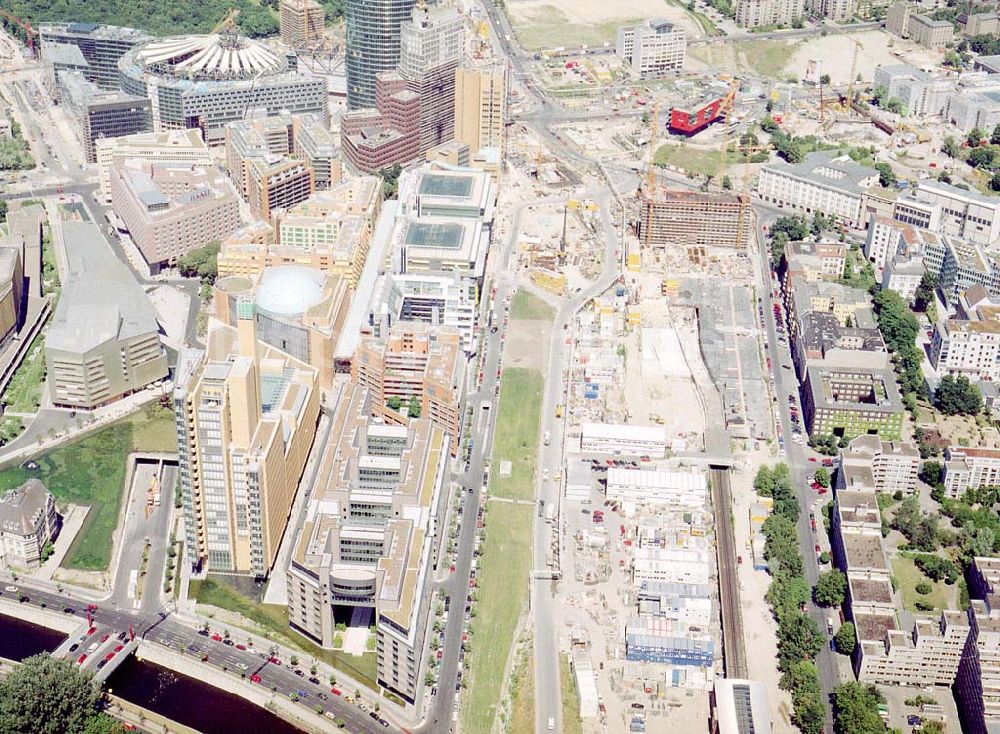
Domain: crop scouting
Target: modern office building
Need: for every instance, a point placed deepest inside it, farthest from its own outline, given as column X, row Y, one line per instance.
column 370, row 537
column 922, row 93
column 415, row 363
column 967, row 214
column 100, row 113
column 623, row 440
column 440, row 246
column 171, row 209
column 301, row 22
column 674, row 218
column 977, row 684
column 174, row 146
column 653, row 48
column 100, row 46
column 740, row 707
column 104, row 341
column 673, row 487
column 871, row 464
column 331, row 230
column 24, row 234
column 758, row 13
column 13, row 293
column 28, row 523
column 481, row 107
column 299, row 311
column 246, row 420
column 372, row 45
column 823, row 182
column 432, row 299
column 207, row 82
column 852, row 400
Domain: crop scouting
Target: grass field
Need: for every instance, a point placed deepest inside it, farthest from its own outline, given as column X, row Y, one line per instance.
column 704, row 22
column 529, row 306
column 907, row 577
column 572, row 723
column 273, row 619
column 91, row 471
column 503, row 591
column 547, row 27
column 522, row 691
column 24, row 393
column 698, row 161
column 767, row 58
column 517, row 429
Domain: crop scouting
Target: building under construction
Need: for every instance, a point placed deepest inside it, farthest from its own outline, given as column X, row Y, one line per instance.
column 693, row 219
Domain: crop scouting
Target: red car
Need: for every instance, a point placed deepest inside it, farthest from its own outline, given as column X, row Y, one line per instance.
column 217, row 637
column 92, row 607
column 827, row 462
column 255, row 678
column 823, row 490
column 79, row 660
column 91, row 631
column 812, row 459
column 817, row 549
column 119, row 648
column 274, row 661
column 241, row 647
column 335, row 691
column 109, row 656
column 104, row 638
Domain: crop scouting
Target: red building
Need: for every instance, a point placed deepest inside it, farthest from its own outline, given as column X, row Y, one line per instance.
column 688, row 121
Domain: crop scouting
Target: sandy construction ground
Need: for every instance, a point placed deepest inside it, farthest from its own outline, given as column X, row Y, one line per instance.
column 837, row 52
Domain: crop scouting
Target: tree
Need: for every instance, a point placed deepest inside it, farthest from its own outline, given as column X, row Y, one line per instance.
column 924, row 295
column 3, row 211
column 727, row 183
column 201, row 263
column 855, row 709
column 995, row 182
column 47, row 696
column 822, row 477
column 930, row 472
column 982, row 158
column 937, row 568
column 390, row 180
column 976, row 541
column 950, row 147
column 995, row 137
column 103, row 724
column 413, row 410
column 952, row 59
column 824, row 79
column 830, row 588
column 795, row 228
column 886, row 177
column 845, row 639
column 395, row 402
column 923, row 587
column 957, row 396
column 974, row 137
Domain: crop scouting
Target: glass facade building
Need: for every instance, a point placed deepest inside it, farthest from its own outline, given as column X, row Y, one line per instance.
column 373, row 28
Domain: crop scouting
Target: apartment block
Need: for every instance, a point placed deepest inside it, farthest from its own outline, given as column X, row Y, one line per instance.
column 414, row 362
column 104, row 340
column 839, row 11
column 821, row 338
column 653, row 48
column 170, row 210
column 813, row 261
column 369, row 540
column 966, row 214
column 969, row 468
column 979, row 24
column 929, row 32
column 481, row 107
column 968, row 347
column 822, row 296
column 851, row 401
column 670, row 218
column 175, row 146
column 246, row 420
column 301, row 22
column 757, row 13
column 871, row 464
column 331, row 230
column 298, row 310
column 28, row 522
column 823, row 182
column 100, row 113
column 903, row 276
column 278, row 184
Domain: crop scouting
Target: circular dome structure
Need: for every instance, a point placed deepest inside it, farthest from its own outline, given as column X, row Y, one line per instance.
column 289, row 290
column 213, row 57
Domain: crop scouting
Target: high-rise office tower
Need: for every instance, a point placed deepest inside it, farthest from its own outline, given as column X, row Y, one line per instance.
column 302, row 22
column 480, row 107
column 372, row 40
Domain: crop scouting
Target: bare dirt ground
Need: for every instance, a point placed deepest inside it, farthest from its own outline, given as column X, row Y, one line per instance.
column 527, row 344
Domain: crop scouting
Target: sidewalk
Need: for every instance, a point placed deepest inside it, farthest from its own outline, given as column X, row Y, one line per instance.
column 71, row 524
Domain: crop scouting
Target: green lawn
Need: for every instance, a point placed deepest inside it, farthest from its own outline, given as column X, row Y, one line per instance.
column 907, row 577
column 273, row 620
column 522, row 692
column 50, row 269
column 572, row 723
column 503, row 591
column 24, row 392
column 91, row 471
column 529, row 306
column 516, row 440
column 698, row 161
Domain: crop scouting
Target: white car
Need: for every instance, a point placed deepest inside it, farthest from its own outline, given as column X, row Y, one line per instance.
column 12, row 589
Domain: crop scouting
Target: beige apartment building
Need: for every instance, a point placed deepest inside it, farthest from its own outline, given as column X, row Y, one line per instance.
column 417, row 361
column 301, row 22
column 929, row 32
column 869, row 463
column 277, row 184
column 670, row 218
column 168, row 146
column 171, row 209
column 104, row 340
column 369, row 537
column 481, row 107
column 969, row 468
column 28, row 522
column 246, row 420
column 331, row 231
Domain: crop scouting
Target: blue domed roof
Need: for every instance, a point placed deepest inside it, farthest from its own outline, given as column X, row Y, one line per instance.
column 289, row 290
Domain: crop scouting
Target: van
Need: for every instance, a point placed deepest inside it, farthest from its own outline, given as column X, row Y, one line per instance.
column 552, row 723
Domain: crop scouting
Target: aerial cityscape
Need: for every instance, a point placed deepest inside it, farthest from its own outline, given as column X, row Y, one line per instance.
column 500, row 366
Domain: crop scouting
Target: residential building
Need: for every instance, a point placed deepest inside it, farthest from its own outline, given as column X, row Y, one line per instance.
column 372, row 45
column 904, row 275
column 104, row 340
column 839, row 11
column 370, row 538
column 170, row 210
column 175, row 146
column 275, row 183
column 977, row 684
column 814, row 261
column 100, row 46
column 623, row 440
column 758, row 13
column 822, row 296
column 979, row 24
column 850, row 401
column 968, row 468
column 967, row 214
column 100, row 113
column 923, row 94
column 433, row 299
column 888, row 237
column 415, row 365
column 819, row 337
column 929, row 32
column 897, row 18
column 968, row 347
column 28, row 523
column 331, row 230
column 871, row 464
column 652, row 48
column 246, row 420
column 740, row 706
column 823, row 182
column 674, row 218
column 210, row 81
column 481, row 107
column 299, row 311
column 312, row 141
column 301, row 22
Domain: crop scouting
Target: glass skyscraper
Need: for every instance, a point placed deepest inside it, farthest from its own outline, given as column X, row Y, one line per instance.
column 372, row 45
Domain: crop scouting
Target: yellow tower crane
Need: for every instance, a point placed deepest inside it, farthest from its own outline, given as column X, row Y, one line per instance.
column 849, row 103
column 725, row 109
column 648, row 189
column 228, row 22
